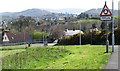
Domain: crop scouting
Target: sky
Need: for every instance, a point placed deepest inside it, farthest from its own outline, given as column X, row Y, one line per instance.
column 20, row 5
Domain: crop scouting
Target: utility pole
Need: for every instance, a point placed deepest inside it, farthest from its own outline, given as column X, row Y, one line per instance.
column 113, row 38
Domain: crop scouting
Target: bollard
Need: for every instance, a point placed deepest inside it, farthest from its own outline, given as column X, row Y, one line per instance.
column 28, row 44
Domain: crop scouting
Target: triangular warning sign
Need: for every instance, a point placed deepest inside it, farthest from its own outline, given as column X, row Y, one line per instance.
column 105, row 11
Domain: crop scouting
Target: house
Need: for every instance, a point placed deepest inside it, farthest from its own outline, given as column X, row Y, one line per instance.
column 72, row 32
column 92, row 30
column 10, row 37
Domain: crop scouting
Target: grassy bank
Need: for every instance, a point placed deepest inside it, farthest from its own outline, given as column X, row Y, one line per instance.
column 57, row 57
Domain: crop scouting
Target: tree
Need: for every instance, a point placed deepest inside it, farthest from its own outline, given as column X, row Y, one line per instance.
column 94, row 26
column 83, row 16
column 38, row 35
column 56, row 32
column 110, row 26
column 22, row 22
column 102, row 25
column 87, row 16
column 84, row 29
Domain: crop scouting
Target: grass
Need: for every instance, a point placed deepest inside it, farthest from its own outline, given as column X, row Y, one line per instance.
column 10, row 50
column 11, row 47
column 57, row 57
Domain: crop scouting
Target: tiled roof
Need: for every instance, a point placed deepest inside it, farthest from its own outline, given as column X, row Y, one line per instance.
column 17, row 37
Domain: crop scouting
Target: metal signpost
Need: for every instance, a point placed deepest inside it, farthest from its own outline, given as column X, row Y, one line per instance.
column 113, row 38
column 105, row 15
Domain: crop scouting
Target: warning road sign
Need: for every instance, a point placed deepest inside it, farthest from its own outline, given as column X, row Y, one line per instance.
column 105, row 18
column 105, row 11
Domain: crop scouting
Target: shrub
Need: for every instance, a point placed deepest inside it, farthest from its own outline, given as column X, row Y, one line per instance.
column 94, row 38
column 38, row 35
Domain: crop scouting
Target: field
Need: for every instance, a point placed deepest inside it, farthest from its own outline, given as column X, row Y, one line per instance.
column 54, row 57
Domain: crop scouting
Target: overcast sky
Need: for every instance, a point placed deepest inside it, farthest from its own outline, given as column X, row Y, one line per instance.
column 20, row 5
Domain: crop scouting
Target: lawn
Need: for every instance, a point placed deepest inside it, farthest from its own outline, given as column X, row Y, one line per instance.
column 56, row 57
column 10, row 50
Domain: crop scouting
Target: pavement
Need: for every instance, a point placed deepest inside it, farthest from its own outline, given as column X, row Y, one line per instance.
column 39, row 44
column 114, row 59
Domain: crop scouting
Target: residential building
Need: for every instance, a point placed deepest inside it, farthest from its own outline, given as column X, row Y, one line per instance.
column 10, row 37
column 72, row 32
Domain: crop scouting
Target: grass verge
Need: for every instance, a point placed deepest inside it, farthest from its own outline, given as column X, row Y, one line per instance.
column 58, row 57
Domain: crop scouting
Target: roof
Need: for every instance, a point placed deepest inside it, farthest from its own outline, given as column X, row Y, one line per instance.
column 18, row 37
column 72, row 32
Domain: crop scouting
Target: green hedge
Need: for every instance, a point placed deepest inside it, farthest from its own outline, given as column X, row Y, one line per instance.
column 38, row 35
column 93, row 38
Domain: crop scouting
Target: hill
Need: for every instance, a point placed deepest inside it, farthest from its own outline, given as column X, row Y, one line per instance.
column 39, row 12
column 29, row 12
column 67, row 10
column 97, row 12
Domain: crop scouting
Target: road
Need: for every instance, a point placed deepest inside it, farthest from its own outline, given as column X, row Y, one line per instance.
column 39, row 44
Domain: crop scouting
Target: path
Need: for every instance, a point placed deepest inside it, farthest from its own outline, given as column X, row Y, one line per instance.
column 113, row 61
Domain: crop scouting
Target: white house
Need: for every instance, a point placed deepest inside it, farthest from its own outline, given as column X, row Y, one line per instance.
column 5, row 38
column 72, row 32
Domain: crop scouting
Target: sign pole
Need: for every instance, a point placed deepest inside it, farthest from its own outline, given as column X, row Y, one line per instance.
column 106, row 16
column 107, row 41
column 113, row 40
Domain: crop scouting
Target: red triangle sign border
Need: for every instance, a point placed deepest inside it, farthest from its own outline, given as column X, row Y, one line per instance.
column 105, row 6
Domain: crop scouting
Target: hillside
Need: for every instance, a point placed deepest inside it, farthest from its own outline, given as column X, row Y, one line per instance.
column 97, row 12
column 29, row 12
column 39, row 12
column 67, row 10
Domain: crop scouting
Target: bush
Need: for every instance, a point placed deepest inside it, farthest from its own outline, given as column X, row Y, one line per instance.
column 94, row 38
column 117, row 37
column 38, row 35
